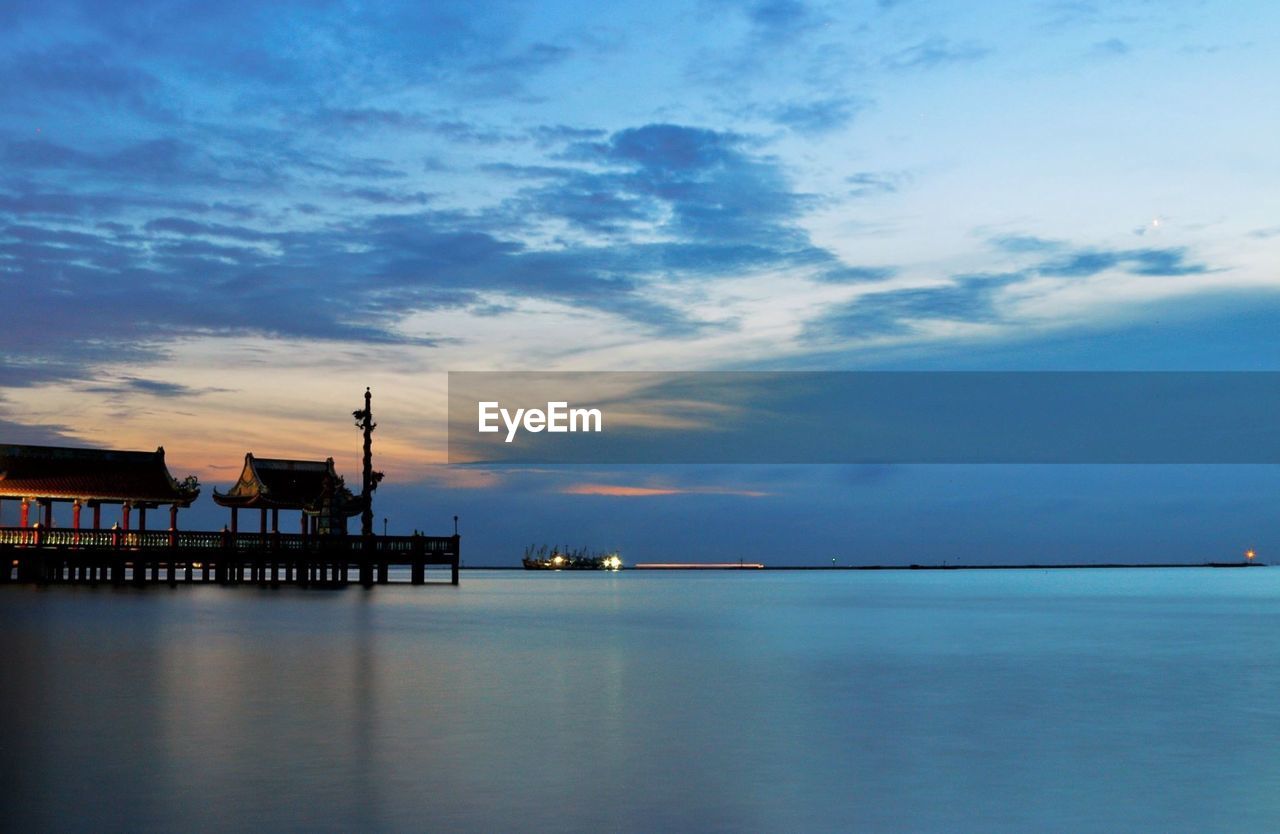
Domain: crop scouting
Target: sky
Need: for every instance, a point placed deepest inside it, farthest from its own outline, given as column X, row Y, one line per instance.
column 219, row 222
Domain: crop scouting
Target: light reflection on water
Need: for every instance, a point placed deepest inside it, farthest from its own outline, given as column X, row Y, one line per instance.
column 1066, row 700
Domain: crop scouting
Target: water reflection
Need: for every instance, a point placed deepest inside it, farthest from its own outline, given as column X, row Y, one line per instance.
column 1081, row 700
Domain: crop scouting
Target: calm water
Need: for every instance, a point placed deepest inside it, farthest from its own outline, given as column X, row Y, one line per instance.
column 778, row 701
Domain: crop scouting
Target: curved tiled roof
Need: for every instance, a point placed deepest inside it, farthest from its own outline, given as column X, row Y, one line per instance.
column 282, row 484
column 92, row 474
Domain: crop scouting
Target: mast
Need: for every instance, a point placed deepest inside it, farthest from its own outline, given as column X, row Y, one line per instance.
column 370, row 479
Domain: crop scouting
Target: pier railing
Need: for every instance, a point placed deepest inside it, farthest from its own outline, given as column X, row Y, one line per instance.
column 382, row 547
column 40, row 554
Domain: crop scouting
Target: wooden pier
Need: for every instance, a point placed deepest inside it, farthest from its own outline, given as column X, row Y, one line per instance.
column 149, row 557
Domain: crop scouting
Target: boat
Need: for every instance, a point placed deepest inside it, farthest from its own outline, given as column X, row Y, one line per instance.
column 555, row 558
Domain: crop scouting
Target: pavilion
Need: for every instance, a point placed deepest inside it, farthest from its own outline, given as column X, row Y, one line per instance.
column 44, row 475
column 311, row 487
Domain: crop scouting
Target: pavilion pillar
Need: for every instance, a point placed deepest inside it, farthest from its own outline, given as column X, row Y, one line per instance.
column 75, row 514
column 48, row 513
column 173, row 516
column 124, row 515
column 97, row 516
column 264, row 521
column 25, row 513
column 275, row 519
column 235, row 517
column 142, row 517
column 302, row 526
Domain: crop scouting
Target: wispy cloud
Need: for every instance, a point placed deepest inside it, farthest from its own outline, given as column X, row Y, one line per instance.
column 818, row 116
column 935, row 52
column 626, row 491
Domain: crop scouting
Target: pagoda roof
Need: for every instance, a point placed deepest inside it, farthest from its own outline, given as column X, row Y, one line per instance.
column 102, row 475
column 278, row 483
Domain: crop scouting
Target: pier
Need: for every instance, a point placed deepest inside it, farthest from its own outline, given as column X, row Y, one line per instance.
column 321, row 554
column 172, row 557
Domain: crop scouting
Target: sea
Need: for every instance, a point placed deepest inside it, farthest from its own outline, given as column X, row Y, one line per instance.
column 756, row 701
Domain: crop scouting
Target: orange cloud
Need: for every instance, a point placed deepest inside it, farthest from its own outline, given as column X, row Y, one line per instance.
column 620, row 491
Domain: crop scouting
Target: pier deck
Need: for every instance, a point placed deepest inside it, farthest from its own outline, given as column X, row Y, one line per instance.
column 143, row 557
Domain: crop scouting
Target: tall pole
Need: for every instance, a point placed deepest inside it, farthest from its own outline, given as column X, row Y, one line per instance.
column 369, row 482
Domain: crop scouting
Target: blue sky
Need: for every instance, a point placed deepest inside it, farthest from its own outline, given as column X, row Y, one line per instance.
column 219, row 222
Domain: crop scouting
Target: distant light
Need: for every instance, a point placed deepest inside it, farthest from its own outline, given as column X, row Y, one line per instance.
column 699, row 565
column 1249, row 554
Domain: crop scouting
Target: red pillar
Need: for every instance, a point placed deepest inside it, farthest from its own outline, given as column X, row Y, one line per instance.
column 124, row 515
column 26, row 512
column 173, row 517
column 235, row 517
column 142, row 517
column 75, row 515
column 48, row 514
column 97, row 516
column 275, row 520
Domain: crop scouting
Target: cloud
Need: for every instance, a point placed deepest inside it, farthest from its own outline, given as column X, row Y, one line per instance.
column 1025, row 244
column 77, row 75
column 775, row 22
column 870, row 183
column 934, row 52
column 533, row 58
column 625, row 491
column 507, row 76
column 36, row 435
column 442, row 124
column 385, row 197
column 669, row 148
column 152, row 387
column 1112, row 47
column 653, row 202
column 971, row 298
column 896, row 311
column 1062, row 260
column 819, row 115
column 1088, row 262
column 857, row 274
column 24, row 198
column 549, row 135
column 185, row 226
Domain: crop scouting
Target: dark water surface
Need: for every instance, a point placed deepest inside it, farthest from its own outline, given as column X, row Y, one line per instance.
column 1070, row 700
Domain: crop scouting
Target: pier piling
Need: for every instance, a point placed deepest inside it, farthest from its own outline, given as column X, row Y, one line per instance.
column 142, row 558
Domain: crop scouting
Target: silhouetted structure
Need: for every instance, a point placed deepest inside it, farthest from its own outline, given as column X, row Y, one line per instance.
column 319, row 554
column 42, row 555
column 370, row 479
column 41, row 476
column 310, row 487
